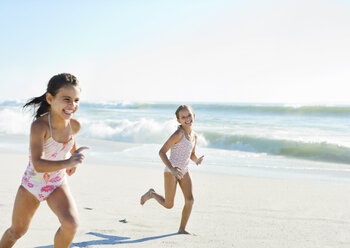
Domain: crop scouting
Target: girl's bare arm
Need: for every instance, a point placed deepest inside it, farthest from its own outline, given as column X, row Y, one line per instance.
column 174, row 138
column 193, row 154
column 37, row 137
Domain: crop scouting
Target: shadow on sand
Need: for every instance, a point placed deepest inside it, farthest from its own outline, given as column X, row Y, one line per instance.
column 111, row 240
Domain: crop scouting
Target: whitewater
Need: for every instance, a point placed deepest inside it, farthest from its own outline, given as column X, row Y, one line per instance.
column 235, row 137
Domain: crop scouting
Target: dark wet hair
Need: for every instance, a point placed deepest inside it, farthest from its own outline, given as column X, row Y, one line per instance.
column 40, row 105
column 182, row 107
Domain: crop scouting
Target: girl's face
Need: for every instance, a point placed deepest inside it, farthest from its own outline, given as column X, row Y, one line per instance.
column 65, row 102
column 186, row 117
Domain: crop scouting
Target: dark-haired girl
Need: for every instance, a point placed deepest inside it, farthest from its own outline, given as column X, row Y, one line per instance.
column 53, row 154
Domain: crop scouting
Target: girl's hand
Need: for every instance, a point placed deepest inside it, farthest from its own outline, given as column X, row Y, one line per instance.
column 71, row 171
column 199, row 161
column 77, row 157
column 176, row 173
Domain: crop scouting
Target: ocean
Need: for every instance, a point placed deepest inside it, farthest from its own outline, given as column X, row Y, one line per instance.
column 272, row 140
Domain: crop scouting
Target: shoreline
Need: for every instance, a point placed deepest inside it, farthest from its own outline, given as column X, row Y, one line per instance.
column 216, row 161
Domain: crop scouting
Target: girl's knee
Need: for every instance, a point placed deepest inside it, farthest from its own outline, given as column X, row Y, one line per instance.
column 189, row 200
column 70, row 223
column 17, row 232
column 169, row 204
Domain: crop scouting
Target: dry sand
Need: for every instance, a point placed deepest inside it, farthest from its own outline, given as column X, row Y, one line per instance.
column 229, row 211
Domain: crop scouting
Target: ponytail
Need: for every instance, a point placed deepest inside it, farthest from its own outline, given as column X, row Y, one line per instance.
column 40, row 105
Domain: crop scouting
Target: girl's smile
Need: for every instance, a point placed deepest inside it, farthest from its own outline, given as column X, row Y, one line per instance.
column 66, row 102
column 186, row 117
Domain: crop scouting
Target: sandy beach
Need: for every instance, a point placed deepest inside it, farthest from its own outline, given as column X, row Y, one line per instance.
column 229, row 210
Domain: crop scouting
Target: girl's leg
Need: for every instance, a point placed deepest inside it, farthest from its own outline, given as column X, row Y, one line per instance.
column 62, row 204
column 186, row 187
column 170, row 183
column 24, row 208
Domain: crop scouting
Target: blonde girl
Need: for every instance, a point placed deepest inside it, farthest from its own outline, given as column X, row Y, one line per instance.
column 182, row 144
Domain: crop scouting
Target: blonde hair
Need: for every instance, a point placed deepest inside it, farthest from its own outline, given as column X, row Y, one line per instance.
column 182, row 107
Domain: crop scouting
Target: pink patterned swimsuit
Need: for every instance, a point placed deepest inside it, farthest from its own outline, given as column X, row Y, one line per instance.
column 41, row 185
column 180, row 154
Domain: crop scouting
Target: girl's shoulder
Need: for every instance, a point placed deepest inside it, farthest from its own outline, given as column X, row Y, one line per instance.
column 40, row 127
column 177, row 135
column 179, row 132
column 75, row 124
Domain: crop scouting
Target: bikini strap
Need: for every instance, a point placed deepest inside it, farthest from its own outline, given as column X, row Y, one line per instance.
column 71, row 131
column 49, row 118
column 182, row 131
column 184, row 136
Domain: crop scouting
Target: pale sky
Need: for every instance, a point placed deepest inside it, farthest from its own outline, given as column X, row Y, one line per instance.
column 218, row 51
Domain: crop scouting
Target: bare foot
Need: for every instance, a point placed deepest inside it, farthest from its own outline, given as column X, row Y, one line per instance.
column 146, row 196
column 183, row 231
